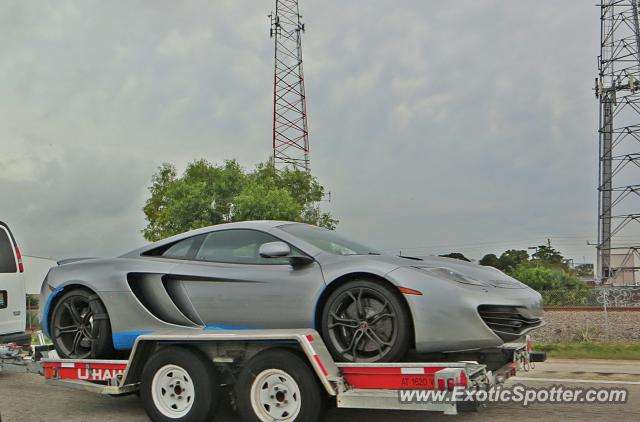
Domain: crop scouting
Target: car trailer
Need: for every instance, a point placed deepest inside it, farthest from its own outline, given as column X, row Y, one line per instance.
column 15, row 359
column 276, row 375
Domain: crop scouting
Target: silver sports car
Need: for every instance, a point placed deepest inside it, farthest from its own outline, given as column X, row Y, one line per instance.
column 367, row 306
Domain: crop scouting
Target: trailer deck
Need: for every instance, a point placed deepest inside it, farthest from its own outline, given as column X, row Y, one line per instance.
column 355, row 385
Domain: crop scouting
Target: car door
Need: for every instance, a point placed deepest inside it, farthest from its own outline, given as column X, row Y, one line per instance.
column 231, row 286
column 12, row 289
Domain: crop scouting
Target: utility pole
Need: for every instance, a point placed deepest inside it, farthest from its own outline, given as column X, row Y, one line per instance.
column 617, row 89
column 290, row 128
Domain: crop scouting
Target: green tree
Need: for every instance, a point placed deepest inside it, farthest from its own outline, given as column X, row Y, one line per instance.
column 208, row 194
column 490, row 260
column 509, row 260
column 542, row 278
column 549, row 257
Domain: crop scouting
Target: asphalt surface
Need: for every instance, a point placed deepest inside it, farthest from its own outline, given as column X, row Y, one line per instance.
column 25, row 397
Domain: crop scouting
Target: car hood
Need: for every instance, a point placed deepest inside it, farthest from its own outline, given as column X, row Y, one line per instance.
column 490, row 275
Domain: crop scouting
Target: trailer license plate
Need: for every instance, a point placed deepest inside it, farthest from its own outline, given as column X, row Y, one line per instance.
column 3, row 299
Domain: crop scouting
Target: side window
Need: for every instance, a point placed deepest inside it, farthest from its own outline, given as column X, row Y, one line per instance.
column 7, row 254
column 182, row 248
column 239, row 246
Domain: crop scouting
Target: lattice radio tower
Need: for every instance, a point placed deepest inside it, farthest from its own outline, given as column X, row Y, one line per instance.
column 617, row 88
column 290, row 129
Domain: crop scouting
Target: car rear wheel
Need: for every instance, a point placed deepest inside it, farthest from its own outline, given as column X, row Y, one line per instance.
column 366, row 321
column 80, row 327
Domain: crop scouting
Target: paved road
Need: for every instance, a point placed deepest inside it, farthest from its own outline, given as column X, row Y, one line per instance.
column 24, row 397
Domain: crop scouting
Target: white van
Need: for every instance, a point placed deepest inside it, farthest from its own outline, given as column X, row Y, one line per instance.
column 12, row 291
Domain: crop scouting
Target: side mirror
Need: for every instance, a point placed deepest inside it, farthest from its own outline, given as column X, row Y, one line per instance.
column 283, row 250
column 274, row 250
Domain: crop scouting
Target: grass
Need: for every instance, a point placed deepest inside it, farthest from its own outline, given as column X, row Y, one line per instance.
column 591, row 350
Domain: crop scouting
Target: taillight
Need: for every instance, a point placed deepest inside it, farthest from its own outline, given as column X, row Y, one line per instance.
column 19, row 258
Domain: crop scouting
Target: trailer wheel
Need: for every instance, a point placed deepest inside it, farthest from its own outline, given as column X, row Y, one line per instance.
column 179, row 384
column 278, row 386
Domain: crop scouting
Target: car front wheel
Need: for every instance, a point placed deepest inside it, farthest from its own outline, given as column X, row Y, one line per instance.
column 366, row 321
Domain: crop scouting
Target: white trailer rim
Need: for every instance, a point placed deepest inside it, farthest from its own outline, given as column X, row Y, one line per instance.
column 275, row 396
column 172, row 391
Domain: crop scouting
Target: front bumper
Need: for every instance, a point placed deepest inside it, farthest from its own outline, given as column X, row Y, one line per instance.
column 446, row 317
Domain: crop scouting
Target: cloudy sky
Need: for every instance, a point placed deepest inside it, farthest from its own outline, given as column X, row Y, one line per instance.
column 437, row 126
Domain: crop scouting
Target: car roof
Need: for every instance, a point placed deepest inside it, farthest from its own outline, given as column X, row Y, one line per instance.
column 262, row 225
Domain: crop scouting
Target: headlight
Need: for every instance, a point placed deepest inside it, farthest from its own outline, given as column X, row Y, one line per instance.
column 453, row 275
column 506, row 281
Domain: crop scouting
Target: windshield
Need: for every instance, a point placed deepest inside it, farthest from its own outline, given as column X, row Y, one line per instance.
column 327, row 240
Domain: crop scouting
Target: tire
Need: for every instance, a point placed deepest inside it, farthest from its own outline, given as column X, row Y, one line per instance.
column 84, row 333
column 278, row 385
column 366, row 321
column 179, row 385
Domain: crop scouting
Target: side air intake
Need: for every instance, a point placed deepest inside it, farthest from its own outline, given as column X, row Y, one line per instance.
column 150, row 290
column 507, row 321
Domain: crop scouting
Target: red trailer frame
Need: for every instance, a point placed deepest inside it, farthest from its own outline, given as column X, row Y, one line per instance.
column 355, row 385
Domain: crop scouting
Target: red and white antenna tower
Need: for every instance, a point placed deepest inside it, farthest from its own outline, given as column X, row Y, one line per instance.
column 290, row 130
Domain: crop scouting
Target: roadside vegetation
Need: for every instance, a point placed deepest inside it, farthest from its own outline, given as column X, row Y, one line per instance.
column 546, row 271
column 591, row 350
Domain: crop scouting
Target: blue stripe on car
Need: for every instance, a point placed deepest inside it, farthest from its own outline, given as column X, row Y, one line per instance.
column 45, row 312
column 124, row 340
column 227, row 327
column 315, row 309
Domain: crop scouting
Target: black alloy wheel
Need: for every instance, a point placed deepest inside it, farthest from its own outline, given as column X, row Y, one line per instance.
column 364, row 321
column 80, row 326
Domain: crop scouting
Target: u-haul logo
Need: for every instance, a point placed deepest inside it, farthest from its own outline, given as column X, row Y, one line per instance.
column 98, row 374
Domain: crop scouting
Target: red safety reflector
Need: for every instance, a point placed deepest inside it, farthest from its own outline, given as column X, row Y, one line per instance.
column 408, row 291
column 441, row 385
column 309, row 338
column 463, row 381
column 322, row 368
column 50, row 372
column 19, row 259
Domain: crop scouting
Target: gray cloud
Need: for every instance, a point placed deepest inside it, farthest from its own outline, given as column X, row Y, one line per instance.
column 467, row 125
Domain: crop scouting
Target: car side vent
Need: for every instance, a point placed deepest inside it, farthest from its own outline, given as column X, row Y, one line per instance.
column 176, row 291
column 150, row 291
column 507, row 321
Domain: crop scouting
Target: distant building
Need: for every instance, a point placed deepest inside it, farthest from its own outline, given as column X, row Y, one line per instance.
column 624, row 270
